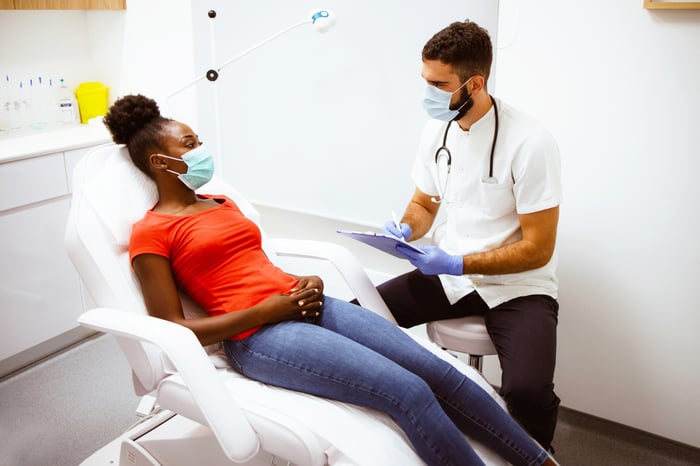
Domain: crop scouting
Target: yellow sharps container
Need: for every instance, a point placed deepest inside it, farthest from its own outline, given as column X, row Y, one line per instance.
column 92, row 100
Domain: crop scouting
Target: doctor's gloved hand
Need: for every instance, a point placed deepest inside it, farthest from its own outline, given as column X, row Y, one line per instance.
column 389, row 228
column 435, row 261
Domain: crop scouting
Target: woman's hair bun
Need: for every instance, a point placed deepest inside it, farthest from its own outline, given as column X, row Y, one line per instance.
column 129, row 115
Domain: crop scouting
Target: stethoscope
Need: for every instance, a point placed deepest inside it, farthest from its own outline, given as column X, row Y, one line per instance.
column 444, row 152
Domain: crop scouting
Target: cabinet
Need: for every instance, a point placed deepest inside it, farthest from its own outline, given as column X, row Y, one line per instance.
column 62, row 4
column 41, row 295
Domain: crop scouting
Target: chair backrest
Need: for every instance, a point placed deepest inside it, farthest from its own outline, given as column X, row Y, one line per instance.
column 109, row 195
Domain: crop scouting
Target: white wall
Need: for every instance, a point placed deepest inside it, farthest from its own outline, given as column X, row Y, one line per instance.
column 59, row 50
column 147, row 50
column 326, row 124
column 619, row 86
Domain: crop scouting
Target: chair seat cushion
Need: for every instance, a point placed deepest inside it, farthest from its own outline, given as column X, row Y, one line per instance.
column 465, row 335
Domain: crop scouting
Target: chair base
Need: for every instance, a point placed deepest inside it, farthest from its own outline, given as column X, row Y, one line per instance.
column 173, row 440
column 477, row 362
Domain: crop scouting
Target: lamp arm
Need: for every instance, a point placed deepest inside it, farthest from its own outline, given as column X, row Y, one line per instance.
column 260, row 44
column 237, row 57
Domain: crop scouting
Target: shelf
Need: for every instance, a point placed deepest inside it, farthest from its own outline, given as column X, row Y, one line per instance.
column 670, row 5
column 62, row 4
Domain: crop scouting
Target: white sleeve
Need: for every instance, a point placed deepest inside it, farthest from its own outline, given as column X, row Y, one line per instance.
column 536, row 174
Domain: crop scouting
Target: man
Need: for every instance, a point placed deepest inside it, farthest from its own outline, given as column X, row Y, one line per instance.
column 497, row 174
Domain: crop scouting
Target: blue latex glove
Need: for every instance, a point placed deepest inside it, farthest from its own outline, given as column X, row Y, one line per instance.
column 389, row 228
column 435, row 261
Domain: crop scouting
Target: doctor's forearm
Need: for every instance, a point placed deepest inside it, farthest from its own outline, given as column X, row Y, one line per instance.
column 516, row 257
column 534, row 250
column 418, row 223
column 420, row 214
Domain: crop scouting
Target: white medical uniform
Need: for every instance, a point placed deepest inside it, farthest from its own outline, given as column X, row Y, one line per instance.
column 483, row 216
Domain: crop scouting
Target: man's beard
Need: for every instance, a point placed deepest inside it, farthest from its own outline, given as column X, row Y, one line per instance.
column 465, row 100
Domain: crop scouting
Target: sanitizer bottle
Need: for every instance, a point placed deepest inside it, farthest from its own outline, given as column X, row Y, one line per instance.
column 67, row 106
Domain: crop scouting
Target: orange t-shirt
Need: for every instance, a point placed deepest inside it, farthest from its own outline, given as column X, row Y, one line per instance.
column 215, row 255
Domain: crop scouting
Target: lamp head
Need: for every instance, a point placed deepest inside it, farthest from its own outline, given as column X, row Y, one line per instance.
column 322, row 19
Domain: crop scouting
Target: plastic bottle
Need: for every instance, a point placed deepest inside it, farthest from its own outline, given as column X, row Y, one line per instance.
column 67, row 106
column 21, row 103
column 32, row 104
column 5, row 114
column 44, row 109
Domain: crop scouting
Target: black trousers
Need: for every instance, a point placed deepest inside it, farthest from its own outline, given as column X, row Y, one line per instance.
column 523, row 331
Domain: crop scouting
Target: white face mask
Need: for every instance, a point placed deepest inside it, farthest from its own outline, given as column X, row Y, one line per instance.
column 437, row 102
column 200, row 167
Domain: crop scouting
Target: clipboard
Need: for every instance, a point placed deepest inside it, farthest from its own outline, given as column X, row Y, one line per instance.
column 386, row 243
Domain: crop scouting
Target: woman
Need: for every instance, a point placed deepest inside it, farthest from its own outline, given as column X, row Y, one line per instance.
column 281, row 329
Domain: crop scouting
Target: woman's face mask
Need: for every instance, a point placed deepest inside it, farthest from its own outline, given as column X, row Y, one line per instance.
column 437, row 102
column 200, row 167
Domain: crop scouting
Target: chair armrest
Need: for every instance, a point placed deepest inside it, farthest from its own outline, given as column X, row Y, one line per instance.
column 345, row 263
column 225, row 418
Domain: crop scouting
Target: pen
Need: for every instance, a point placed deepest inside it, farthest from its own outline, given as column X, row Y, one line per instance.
column 396, row 223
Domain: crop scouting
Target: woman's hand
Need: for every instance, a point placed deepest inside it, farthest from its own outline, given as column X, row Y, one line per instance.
column 309, row 282
column 294, row 305
column 307, row 296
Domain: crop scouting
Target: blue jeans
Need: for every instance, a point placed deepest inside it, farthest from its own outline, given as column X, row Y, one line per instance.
column 524, row 331
column 352, row 355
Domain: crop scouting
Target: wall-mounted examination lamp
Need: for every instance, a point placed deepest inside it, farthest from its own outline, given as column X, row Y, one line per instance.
column 320, row 19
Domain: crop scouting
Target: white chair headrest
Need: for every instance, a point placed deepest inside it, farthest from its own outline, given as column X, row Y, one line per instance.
column 118, row 191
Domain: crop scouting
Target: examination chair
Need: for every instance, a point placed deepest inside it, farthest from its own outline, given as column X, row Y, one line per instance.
column 204, row 412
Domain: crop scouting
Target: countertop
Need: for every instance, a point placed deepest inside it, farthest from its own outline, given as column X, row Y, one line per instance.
column 34, row 143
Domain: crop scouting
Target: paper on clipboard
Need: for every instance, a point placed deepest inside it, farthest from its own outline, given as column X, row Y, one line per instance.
column 386, row 243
